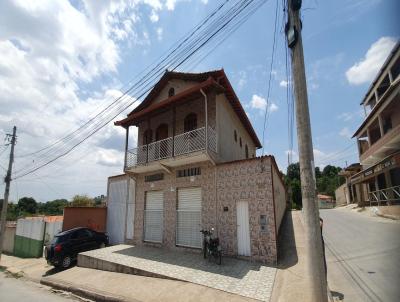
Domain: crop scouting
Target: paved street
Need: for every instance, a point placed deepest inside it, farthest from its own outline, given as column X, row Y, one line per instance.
column 363, row 255
column 12, row 289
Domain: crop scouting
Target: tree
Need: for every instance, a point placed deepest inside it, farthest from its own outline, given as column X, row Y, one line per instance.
column 82, row 201
column 27, row 205
column 293, row 171
column 54, row 207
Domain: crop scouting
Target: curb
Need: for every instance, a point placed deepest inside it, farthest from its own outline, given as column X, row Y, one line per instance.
column 84, row 292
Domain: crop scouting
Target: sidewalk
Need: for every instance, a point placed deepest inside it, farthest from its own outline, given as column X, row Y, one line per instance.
column 291, row 281
column 109, row 286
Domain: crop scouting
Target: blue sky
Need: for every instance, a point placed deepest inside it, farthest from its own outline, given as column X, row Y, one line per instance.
column 62, row 61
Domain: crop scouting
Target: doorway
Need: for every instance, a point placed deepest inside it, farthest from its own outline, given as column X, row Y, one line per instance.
column 243, row 228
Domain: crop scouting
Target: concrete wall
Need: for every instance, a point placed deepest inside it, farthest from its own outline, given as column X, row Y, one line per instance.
column 222, row 187
column 9, row 238
column 90, row 217
column 227, row 123
column 341, row 195
column 279, row 196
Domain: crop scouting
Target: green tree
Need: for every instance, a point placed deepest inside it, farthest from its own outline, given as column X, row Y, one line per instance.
column 54, row 207
column 27, row 205
column 82, row 201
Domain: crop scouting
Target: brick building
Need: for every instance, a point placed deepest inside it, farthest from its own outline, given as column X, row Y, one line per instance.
column 195, row 168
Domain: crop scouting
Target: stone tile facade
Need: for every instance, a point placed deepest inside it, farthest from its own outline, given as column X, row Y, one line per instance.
column 222, row 186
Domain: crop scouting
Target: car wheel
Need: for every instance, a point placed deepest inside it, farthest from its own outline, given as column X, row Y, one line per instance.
column 102, row 245
column 66, row 262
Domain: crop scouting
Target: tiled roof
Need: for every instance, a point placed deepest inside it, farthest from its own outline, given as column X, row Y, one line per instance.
column 216, row 79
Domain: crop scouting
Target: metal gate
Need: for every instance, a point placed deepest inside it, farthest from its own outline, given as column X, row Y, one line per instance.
column 116, row 210
column 189, row 218
column 243, row 229
column 153, row 216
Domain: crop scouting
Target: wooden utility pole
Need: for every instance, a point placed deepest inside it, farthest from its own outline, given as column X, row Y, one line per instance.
column 13, row 140
column 314, row 250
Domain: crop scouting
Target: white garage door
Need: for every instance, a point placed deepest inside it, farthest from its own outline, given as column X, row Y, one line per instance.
column 189, row 218
column 153, row 218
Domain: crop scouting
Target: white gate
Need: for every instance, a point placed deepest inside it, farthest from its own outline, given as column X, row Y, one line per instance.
column 116, row 209
column 243, row 229
column 189, row 218
column 153, row 218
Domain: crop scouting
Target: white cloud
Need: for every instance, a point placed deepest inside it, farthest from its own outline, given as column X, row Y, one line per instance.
column 283, row 83
column 258, row 102
column 365, row 70
column 46, row 67
column 273, row 107
column 154, row 16
column 345, row 132
column 159, row 33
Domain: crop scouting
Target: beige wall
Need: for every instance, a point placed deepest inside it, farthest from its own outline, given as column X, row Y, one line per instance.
column 222, row 186
column 178, row 85
column 279, row 197
column 9, row 237
column 227, row 122
column 341, row 195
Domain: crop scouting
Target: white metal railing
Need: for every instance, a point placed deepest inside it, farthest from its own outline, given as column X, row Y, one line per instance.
column 391, row 194
column 190, row 141
column 160, row 149
column 185, row 143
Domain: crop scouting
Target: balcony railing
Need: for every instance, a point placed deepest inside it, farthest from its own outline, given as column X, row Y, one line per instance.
column 185, row 143
column 391, row 194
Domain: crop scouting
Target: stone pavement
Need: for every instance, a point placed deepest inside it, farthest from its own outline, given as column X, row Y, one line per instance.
column 252, row 280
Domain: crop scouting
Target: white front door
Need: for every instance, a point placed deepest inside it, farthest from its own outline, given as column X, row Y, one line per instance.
column 243, row 229
column 189, row 217
column 153, row 217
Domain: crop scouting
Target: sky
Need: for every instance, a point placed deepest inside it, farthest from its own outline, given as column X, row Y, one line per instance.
column 63, row 61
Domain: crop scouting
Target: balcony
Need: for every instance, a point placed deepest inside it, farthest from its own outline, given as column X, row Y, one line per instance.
column 171, row 148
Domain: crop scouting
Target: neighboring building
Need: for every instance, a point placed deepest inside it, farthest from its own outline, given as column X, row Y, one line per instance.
column 325, row 201
column 195, row 168
column 378, row 138
column 346, row 193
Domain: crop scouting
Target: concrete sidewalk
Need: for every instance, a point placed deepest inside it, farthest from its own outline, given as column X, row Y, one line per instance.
column 109, row 286
column 30, row 268
column 291, row 281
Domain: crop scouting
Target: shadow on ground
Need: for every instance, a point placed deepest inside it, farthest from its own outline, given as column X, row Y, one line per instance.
column 287, row 252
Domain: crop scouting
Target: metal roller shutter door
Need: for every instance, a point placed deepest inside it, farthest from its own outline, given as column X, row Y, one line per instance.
column 189, row 218
column 153, row 218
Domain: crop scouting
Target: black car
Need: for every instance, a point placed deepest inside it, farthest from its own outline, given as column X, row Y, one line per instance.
column 65, row 246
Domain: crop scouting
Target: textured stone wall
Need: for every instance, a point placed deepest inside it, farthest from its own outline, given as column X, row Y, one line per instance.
column 222, row 186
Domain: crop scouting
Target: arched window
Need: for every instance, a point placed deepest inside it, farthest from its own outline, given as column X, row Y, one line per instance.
column 235, row 135
column 240, row 142
column 147, row 137
column 190, row 122
column 246, row 150
column 171, row 92
column 162, row 132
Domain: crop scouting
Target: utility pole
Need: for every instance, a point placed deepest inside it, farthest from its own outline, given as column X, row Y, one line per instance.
column 314, row 250
column 13, row 140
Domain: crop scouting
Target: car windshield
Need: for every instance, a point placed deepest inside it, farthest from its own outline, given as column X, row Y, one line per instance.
column 58, row 239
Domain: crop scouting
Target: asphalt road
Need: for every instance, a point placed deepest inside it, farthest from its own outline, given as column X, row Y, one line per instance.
column 363, row 256
column 12, row 289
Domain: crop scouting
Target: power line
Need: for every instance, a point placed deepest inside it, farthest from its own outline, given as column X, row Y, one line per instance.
column 191, row 49
column 270, row 75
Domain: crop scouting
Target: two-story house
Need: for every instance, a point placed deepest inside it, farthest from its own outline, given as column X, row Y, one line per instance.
column 378, row 138
column 195, row 167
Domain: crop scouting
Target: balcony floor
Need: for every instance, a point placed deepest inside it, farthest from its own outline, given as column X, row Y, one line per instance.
column 171, row 162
